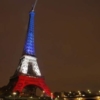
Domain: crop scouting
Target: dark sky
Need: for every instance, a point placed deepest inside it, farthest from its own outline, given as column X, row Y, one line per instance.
column 67, row 37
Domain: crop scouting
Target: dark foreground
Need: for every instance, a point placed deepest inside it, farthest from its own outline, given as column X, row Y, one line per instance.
column 48, row 98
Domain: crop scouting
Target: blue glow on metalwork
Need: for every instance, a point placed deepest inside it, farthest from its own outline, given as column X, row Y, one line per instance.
column 29, row 47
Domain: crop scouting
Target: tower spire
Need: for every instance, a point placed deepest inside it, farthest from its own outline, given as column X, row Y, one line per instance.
column 29, row 47
column 34, row 5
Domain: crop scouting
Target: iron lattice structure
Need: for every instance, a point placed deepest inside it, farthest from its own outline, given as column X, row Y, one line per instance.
column 28, row 72
column 29, row 61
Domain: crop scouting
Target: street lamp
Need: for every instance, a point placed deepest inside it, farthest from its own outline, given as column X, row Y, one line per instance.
column 14, row 94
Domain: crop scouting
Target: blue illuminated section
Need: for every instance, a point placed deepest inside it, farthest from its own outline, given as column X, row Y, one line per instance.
column 29, row 47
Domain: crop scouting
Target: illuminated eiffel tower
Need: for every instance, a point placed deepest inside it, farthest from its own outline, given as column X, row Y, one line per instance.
column 28, row 73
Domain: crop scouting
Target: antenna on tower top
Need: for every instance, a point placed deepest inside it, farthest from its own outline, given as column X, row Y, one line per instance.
column 34, row 5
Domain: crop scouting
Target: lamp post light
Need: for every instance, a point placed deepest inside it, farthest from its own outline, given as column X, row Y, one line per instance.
column 89, row 91
column 79, row 92
column 31, row 97
column 14, row 94
column 99, row 92
column 43, row 94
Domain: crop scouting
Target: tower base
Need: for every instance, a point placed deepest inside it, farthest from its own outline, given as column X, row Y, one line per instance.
column 24, row 81
column 19, row 83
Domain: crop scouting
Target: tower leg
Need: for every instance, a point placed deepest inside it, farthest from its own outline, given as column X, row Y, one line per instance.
column 24, row 81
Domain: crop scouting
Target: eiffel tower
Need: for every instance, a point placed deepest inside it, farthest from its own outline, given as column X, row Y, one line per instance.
column 28, row 73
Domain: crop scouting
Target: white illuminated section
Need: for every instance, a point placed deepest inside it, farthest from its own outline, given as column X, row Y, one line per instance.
column 23, row 68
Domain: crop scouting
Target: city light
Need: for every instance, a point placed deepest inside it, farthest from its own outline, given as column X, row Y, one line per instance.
column 31, row 97
column 79, row 93
column 79, row 98
column 14, row 93
column 89, row 91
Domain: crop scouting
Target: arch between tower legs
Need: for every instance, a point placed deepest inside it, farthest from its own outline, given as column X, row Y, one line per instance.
column 23, row 81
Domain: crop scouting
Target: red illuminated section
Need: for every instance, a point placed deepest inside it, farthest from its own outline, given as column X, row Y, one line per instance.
column 24, row 81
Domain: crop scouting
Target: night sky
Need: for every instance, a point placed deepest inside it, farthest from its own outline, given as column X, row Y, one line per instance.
column 67, row 40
